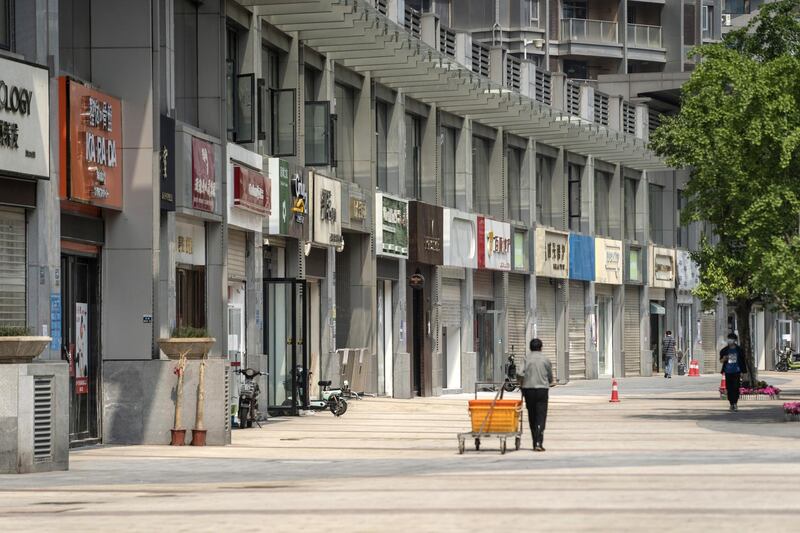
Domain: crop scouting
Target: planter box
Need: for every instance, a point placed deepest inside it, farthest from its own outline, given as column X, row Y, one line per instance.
column 194, row 347
column 22, row 349
column 791, row 418
column 724, row 396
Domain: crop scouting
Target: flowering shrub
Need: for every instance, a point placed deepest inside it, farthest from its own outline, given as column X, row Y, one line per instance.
column 791, row 408
column 767, row 391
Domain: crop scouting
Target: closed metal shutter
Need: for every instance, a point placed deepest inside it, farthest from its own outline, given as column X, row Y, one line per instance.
column 12, row 267
column 237, row 246
column 483, row 285
column 632, row 340
column 708, row 325
column 516, row 315
column 546, row 320
column 451, row 303
column 577, row 331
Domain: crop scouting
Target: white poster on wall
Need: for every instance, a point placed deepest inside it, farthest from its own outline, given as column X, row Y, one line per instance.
column 459, row 232
column 81, row 348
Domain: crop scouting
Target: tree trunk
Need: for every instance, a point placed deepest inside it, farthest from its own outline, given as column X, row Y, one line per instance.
column 199, row 420
column 743, row 309
column 179, row 392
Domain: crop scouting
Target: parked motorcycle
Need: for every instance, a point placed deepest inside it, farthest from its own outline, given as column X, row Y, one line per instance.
column 511, row 383
column 330, row 399
column 787, row 360
column 248, row 398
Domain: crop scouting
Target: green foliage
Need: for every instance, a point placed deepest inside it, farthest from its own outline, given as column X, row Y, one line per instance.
column 188, row 332
column 739, row 132
column 14, row 331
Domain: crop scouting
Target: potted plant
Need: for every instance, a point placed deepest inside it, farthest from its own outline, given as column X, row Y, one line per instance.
column 192, row 343
column 791, row 411
column 17, row 345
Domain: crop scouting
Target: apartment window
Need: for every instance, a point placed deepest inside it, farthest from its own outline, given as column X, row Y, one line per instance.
column 240, row 92
column 13, row 267
column 574, row 9
column 381, row 144
column 276, row 121
column 602, row 206
column 6, row 23
column 514, row 157
column 74, row 36
column 629, row 208
column 413, row 156
column 481, row 155
column 574, row 195
column 682, row 235
column 544, row 183
column 231, row 70
column 345, row 126
column 319, row 123
column 186, row 55
column 448, row 150
column 707, row 19
column 656, row 205
column 532, row 8
column 190, row 285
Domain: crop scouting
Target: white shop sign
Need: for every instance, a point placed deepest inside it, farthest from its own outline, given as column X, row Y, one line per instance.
column 552, row 253
column 662, row 267
column 326, row 214
column 494, row 245
column 24, row 119
column 608, row 261
column 459, row 235
column 190, row 243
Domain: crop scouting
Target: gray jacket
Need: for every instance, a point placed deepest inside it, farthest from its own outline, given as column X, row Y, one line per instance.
column 536, row 371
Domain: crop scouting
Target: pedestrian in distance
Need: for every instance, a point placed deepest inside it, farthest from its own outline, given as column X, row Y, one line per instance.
column 668, row 353
column 536, row 377
column 733, row 366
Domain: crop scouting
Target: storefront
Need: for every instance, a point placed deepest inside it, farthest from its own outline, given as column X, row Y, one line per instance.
column 581, row 273
column 494, row 257
column 460, row 259
column 91, row 183
column 425, row 255
column 249, row 205
column 551, row 260
column 24, row 159
column 608, row 280
column 632, row 310
column 391, row 246
column 661, row 269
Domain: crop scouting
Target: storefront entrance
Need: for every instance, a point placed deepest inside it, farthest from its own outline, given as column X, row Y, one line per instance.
column 656, row 334
column 285, row 335
column 605, row 346
column 485, row 326
column 80, row 321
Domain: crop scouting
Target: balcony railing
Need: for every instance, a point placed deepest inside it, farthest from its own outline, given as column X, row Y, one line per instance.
column 643, row 36
column 590, row 31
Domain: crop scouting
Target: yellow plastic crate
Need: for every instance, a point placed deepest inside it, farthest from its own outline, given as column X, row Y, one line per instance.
column 504, row 417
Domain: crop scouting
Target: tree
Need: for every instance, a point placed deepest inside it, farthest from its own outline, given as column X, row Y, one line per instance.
column 738, row 130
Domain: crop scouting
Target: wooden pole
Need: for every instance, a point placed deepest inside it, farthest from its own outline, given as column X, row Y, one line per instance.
column 201, row 397
column 179, row 391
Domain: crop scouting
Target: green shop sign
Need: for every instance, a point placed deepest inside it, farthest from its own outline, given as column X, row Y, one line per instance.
column 392, row 226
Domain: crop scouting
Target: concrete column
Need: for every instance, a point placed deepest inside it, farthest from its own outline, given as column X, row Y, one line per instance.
column 497, row 178
column 501, row 347
column 643, row 226
column 469, row 358
column 397, row 172
column 562, row 330
column 464, row 199
column 217, row 281
column 165, row 312
column 430, row 159
column 587, row 197
column 254, row 296
column 617, row 330
column 329, row 359
column 615, row 206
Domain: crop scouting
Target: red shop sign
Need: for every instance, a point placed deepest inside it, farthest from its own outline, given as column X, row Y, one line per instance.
column 204, row 179
column 251, row 191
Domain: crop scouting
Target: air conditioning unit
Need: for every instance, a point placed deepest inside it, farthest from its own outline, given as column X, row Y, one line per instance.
column 726, row 19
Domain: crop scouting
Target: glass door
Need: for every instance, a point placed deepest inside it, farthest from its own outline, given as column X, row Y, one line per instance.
column 285, row 341
column 484, row 339
column 80, row 337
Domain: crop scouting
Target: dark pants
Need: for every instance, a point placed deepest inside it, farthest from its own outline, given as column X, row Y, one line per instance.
column 732, row 384
column 536, row 402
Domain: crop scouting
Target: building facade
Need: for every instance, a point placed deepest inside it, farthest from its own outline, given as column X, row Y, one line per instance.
column 396, row 194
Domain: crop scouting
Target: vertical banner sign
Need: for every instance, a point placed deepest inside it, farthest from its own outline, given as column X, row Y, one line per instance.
column 81, row 348
column 204, row 180
column 55, row 321
column 167, row 163
column 392, row 226
column 95, row 147
column 284, row 194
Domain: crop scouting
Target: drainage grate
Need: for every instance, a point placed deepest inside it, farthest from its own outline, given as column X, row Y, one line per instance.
column 42, row 419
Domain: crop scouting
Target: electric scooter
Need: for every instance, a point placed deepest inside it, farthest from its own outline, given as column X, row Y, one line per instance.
column 788, row 360
column 248, row 398
column 330, row 399
column 511, row 383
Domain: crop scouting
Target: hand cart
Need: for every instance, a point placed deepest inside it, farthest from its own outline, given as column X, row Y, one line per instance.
column 493, row 418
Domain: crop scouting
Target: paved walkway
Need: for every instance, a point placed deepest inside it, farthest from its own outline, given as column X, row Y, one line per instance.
column 670, row 457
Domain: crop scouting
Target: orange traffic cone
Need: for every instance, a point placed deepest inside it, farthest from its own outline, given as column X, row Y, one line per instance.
column 614, row 392
column 722, row 385
column 694, row 368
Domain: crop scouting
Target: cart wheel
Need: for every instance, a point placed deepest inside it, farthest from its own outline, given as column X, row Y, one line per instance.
column 502, row 446
column 477, row 444
column 461, row 446
column 517, row 443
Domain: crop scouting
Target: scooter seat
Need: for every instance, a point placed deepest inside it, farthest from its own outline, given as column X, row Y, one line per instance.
column 324, row 383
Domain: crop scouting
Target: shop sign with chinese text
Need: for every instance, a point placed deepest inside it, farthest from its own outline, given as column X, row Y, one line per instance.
column 391, row 233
